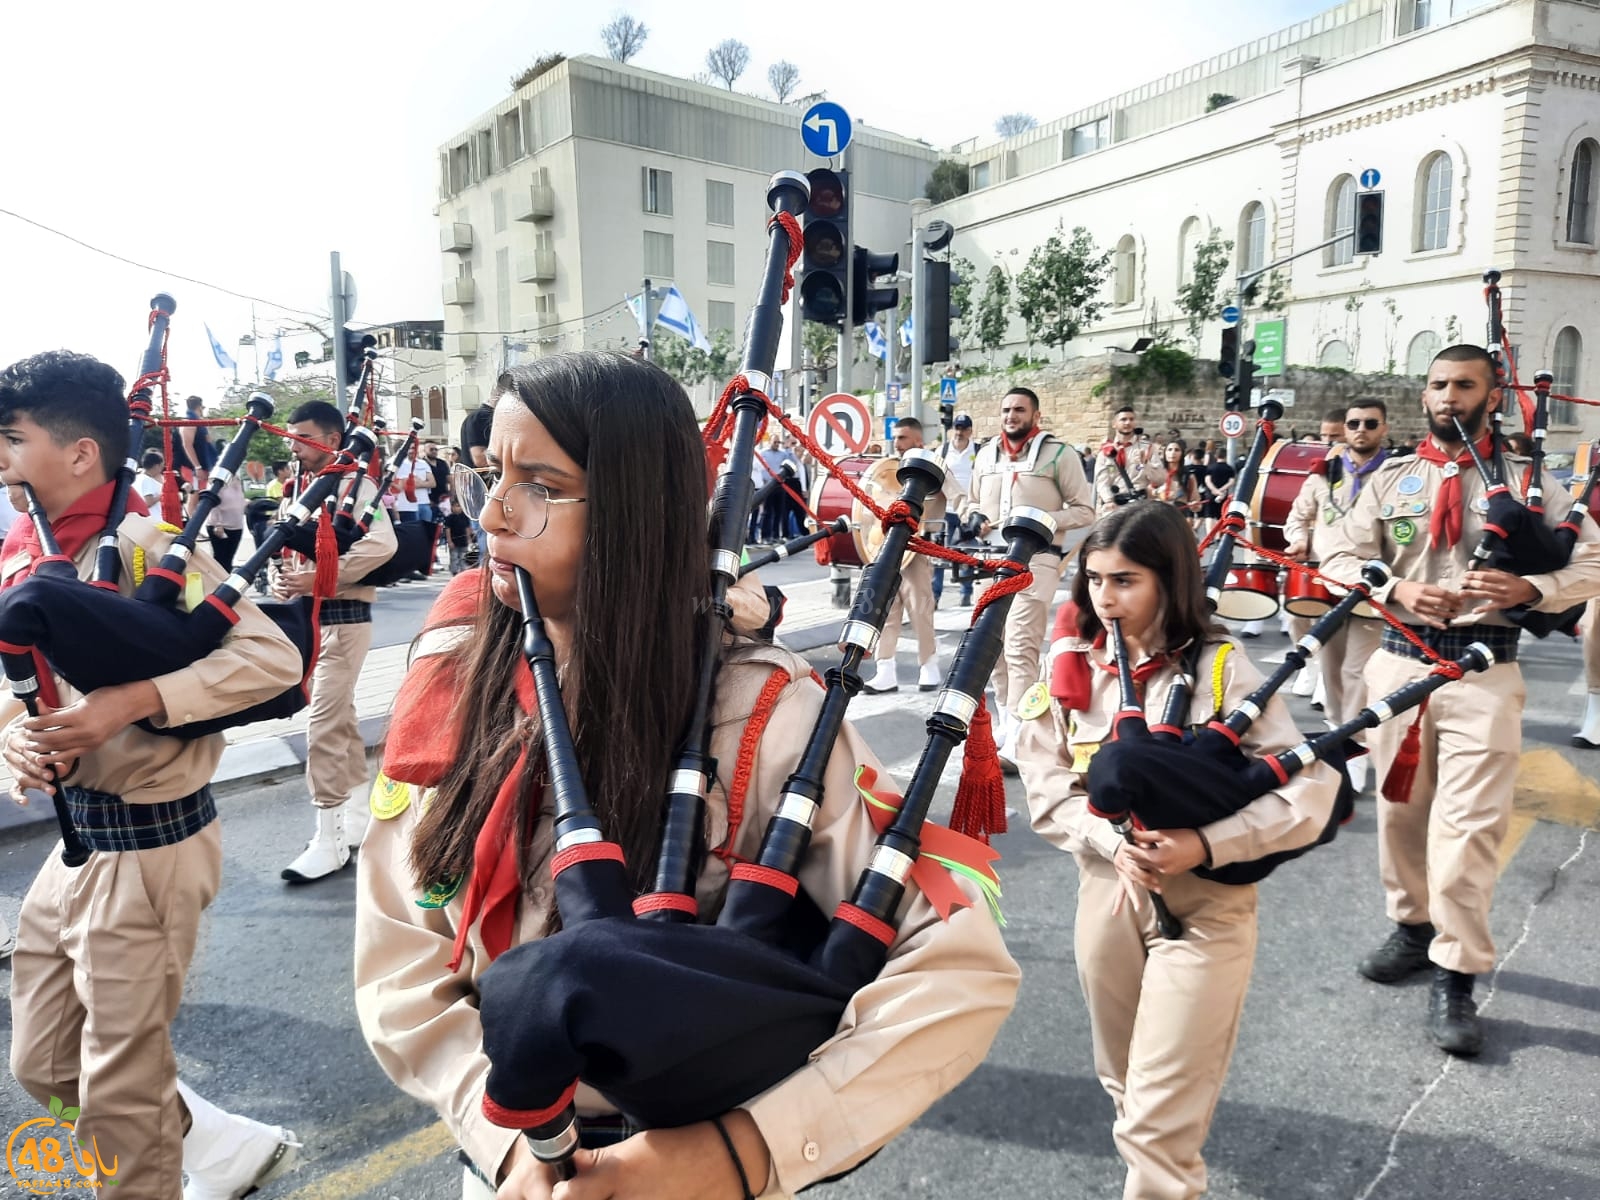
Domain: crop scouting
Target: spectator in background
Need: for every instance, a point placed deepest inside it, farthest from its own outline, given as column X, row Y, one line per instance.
column 413, row 490
column 227, row 523
column 956, row 454
column 148, row 483
column 280, row 476
column 475, row 426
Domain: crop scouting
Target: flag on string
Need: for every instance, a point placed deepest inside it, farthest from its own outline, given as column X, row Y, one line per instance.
column 675, row 315
column 223, row 359
column 905, row 332
column 636, row 307
column 274, row 359
column 877, row 345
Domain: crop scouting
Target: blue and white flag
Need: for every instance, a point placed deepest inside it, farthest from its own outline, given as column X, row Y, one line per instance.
column 876, row 345
column 274, row 359
column 675, row 315
column 636, row 307
column 905, row 332
column 223, row 360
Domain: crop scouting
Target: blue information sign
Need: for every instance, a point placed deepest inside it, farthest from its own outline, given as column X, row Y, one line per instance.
column 1370, row 178
column 825, row 129
column 1230, row 315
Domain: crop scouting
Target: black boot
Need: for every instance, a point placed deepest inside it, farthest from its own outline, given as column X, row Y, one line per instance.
column 1452, row 1016
column 1403, row 953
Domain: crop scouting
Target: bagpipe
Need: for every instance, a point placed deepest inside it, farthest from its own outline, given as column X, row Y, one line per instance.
column 1129, row 492
column 673, row 1021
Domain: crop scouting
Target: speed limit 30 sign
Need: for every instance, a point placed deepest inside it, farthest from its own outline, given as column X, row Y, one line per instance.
column 1232, row 424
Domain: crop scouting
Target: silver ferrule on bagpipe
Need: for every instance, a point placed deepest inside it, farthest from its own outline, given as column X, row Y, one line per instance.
column 1542, row 382
column 1238, row 506
column 1374, row 574
column 1497, row 352
column 678, row 864
column 108, row 556
column 22, row 672
column 882, row 884
column 164, row 582
column 370, row 512
column 772, row 554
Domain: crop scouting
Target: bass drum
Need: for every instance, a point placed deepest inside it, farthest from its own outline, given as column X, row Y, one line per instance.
column 1283, row 470
column 1582, row 463
column 830, row 500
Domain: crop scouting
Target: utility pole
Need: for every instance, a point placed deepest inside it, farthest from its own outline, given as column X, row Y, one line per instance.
column 647, row 333
column 846, row 325
column 336, row 308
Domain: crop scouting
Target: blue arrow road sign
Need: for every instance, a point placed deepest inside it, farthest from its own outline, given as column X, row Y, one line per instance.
column 947, row 390
column 1370, row 178
column 825, row 129
column 1230, row 315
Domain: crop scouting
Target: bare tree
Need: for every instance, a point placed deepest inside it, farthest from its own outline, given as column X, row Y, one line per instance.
column 624, row 36
column 784, row 77
column 727, row 60
column 1013, row 123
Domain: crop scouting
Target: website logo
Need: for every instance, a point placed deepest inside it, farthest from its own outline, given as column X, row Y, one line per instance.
column 44, row 1157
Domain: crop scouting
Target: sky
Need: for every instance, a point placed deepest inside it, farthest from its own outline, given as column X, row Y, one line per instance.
column 238, row 145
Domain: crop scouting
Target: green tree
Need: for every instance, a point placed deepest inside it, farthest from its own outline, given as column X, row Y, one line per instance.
column 1059, row 291
column 947, row 180
column 1198, row 298
column 962, row 274
column 690, row 365
column 993, row 315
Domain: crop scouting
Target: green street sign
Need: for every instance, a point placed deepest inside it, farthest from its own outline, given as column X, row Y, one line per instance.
column 1269, row 347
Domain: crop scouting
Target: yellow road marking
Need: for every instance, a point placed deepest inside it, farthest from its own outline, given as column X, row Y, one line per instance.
column 380, row 1166
column 1549, row 788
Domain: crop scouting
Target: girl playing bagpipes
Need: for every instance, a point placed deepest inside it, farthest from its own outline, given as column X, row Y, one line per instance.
column 1164, row 1010
column 596, row 489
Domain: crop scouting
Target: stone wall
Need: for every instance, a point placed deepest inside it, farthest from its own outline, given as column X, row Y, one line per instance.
column 1073, row 411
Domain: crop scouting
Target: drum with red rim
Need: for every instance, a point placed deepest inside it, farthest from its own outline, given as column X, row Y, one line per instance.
column 1304, row 595
column 1283, row 471
column 830, row 500
column 1249, row 594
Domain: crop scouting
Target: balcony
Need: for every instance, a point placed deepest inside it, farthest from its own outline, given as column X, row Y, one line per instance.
column 536, row 203
column 462, row 292
column 461, row 345
column 455, row 238
column 536, row 266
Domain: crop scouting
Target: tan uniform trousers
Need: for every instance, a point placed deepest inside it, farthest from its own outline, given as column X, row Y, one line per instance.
column 1018, row 667
column 336, row 758
column 1591, row 645
column 1165, row 1018
column 1344, row 663
column 914, row 599
column 102, row 952
column 1439, row 854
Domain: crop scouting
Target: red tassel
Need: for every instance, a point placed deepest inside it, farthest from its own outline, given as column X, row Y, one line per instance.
column 327, row 578
column 1403, row 771
column 980, row 806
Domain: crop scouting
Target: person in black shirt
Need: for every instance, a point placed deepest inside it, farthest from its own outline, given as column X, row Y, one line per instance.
column 475, row 427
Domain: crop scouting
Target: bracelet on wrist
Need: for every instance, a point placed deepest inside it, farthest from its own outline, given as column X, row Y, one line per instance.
column 733, row 1153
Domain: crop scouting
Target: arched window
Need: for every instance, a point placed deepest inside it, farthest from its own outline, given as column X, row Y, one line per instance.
column 1188, row 242
column 1433, row 208
column 1424, row 347
column 1567, row 358
column 1580, row 194
column 1334, row 354
column 1341, row 218
column 1126, row 285
column 1252, row 238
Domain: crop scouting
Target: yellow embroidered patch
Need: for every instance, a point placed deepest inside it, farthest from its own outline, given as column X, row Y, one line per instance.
column 1082, row 754
column 389, row 798
column 1035, row 701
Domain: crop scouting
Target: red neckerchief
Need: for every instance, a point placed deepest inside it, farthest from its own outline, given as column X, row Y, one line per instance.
column 1172, row 477
column 1071, row 671
column 83, row 521
column 1445, row 527
column 1018, row 449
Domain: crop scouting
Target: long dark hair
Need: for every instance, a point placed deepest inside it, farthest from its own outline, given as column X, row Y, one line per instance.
column 643, row 585
column 1156, row 537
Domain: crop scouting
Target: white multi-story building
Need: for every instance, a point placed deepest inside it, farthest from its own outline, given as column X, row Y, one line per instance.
column 595, row 176
column 1482, row 119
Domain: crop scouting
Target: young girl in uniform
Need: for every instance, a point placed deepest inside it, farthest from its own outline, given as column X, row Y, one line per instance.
column 597, row 488
column 1164, row 1014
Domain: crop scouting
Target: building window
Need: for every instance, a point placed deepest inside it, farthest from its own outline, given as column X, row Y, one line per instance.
column 502, row 287
column 719, row 262
column 1433, row 232
column 485, row 153
column 497, row 201
column 1569, row 352
column 980, row 175
column 1089, row 137
column 1188, row 243
column 1334, row 354
column 1422, row 351
column 1252, row 238
column 657, row 191
column 1125, row 285
column 1422, row 16
column 460, row 168
column 1580, row 194
column 511, row 146
column 719, row 202
column 719, row 315
column 658, row 254
column 1341, row 219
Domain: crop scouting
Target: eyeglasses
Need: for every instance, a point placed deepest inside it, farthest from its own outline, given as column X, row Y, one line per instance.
column 1363, row 423
column 526, row 505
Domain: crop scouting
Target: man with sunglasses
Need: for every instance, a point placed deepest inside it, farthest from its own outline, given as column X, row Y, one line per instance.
column 1323, row 501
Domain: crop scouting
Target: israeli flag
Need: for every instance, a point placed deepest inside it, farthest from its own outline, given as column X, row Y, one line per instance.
column 876, row 345
column 223, row 360
column 675, row 315
column 274, row 359
column 636, row 307
column 905, row 332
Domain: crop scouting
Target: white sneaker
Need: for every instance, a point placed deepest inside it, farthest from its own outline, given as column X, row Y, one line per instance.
column 1358, row 769
column 1007, row 753
column 227, row 1157
column 930, row 677
column 1588, row 737
column 884, row 680
column 1305, row 680
column 325, row 853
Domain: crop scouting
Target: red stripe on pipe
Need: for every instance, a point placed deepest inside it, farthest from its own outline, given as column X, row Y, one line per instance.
column 12, row 648
column 527, row 1118
column 770, row 876
column 163, row 573
column 865, row 921
column 588, row 852
column 225, row 609
column 1497, row 530
column 1277, row 768
column 666, row 901
column 1172, row 730
column 1219, row 727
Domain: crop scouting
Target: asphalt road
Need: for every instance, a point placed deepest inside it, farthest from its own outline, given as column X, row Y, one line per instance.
column 1334, row 1091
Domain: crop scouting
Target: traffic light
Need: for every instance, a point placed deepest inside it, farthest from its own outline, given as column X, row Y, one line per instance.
column 827, row 248
column 866, row 300
column 1369, row 222
column 1230, row 351
column 356, row 346
column 931, row 322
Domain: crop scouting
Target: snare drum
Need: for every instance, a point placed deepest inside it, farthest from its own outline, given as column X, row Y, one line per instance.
column 1304, row 595
column 830, row 500
column 1283, row 471
column 1249, row 594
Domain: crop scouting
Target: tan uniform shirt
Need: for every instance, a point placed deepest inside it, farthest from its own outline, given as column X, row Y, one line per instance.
column 904, row 1041
column 255, row 662
column 1054, row 751
column 1390, row 520
column 1144, row 469
column 1055, row 483
column 366, row 554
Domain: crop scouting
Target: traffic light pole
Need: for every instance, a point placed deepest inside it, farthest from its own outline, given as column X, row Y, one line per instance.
column 847, row 329
column 918, row 274
column 336, row 309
